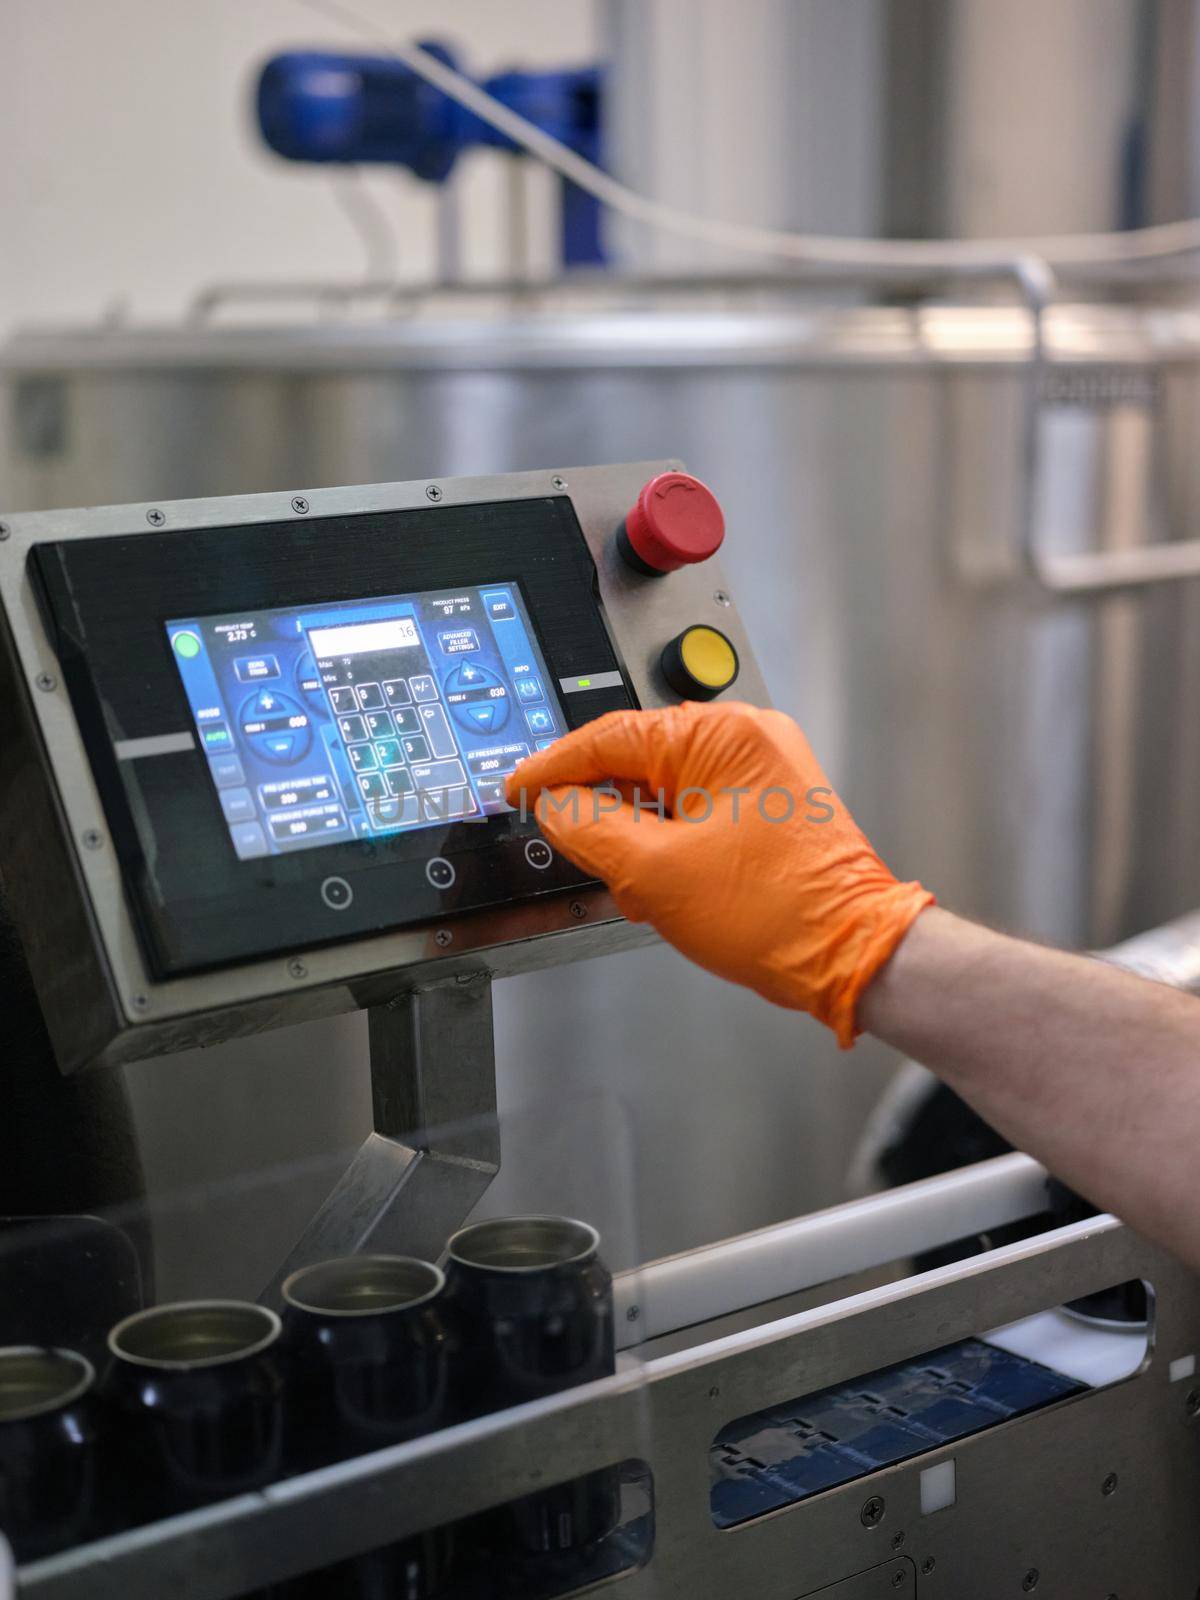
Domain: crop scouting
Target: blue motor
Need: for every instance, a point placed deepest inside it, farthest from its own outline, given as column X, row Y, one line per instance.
column 313, row 106
column 321, row 107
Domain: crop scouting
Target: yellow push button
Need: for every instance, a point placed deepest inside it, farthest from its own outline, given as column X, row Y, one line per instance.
column 699, row 663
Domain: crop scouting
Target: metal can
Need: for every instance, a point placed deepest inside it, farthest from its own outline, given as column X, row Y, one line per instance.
column 537, row 1311
column 47, row 1449
column 193, row 1401
column 368, row 1349
column 367, row 1346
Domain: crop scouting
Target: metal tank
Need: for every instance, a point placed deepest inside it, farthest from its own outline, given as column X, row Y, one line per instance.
column 1033, row 757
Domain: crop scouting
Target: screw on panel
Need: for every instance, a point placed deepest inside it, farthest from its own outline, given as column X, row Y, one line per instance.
column 872, row 1512
column 898, row 1539
column 1109, row 1486
column 92, row 839
column 1030, row 1580
column 633, row 1313
column 578, row 909
column 721, row 597
column 155, row 517
column 928, row 1565
column 714, row 1392
column 46, row 681
column 558, row 482
column 297, row 969
column 443, row 937
column 897, row 1579
column 299, row 504
column 140, row 1003
column 432, row 492
column 1192, row 1406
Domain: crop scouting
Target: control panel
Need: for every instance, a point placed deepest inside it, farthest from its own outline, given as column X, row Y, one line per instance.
column 256, row 747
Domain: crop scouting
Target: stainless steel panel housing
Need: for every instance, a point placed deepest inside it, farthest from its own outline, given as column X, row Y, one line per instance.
column 83, row 946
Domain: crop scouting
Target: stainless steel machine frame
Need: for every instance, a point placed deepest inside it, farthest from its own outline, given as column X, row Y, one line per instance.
column 1095, row 1495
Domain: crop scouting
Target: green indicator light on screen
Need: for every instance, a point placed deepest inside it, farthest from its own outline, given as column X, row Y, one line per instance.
column 585, row 683
column 187, row 645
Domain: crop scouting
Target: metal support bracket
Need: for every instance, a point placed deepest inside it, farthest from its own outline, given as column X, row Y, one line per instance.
column 436, row 1144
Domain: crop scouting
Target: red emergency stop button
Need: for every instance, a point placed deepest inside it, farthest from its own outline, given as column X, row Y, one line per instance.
column 676, row 522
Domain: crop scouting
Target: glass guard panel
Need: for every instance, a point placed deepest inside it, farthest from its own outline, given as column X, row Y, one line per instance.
column 181, row 1361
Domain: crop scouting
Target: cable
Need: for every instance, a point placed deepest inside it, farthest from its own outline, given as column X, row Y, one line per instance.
column 813, row 251
column 371, row 223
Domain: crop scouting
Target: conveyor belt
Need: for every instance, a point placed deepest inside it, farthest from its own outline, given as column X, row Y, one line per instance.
column 777, row 1457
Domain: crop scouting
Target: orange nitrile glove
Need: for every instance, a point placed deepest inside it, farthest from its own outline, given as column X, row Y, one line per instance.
column 752, row 867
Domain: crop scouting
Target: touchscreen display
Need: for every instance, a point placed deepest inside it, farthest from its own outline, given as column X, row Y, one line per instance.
column 364, row 717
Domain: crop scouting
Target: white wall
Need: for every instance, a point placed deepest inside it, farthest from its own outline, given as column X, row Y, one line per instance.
column 132, row 173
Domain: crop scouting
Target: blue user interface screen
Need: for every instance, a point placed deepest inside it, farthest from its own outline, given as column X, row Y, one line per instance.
column 364, row 717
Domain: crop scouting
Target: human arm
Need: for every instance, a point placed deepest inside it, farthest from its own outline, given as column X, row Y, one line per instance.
column 1093, row 1071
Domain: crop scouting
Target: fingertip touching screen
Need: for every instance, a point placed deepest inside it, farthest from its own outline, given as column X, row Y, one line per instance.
column 392, row 714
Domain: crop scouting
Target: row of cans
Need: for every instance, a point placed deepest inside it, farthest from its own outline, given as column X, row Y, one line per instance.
column 202, row 1400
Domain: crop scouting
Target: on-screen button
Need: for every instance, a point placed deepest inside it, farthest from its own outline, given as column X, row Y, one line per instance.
column 337, row 894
